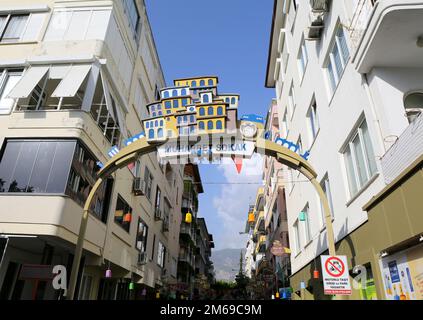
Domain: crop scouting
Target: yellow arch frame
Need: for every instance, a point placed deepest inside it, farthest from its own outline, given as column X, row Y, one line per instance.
column 140, row 147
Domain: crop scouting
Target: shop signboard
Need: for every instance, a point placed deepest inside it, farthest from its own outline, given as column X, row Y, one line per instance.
column 402, row 274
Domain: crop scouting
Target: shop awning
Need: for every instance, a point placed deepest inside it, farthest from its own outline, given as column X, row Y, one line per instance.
column 73, row 80
column 28, row 82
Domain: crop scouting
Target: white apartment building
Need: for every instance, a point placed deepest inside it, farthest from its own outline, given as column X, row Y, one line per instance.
column 75, row 77
column 342, row 71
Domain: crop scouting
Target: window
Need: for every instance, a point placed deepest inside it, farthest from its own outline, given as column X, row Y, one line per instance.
column 142, row 236
column 326, row 188
column 161, row 255
column 227, row 100
column 176, row 103
column 158, row 198
column 219, row 111
column 168, row 104
column 174, row 93
column 36, row 166
column 8, row 80
column 202, row 112
column 313, row 121
column 291, row 101
column 302, row 58
column 166, row 210
column 12, row 27
column 148, row 179
column 338, row 58
column 151, row 134
column 85, row 289
column 205, row 98
column 194, row 83
column 298, row 244
column 152, row 247
column 160, row 133
column 210, row 125
column 210, row 111
column 192, row 118
column 202, row 83
column 166, row 94
column 184, row 102
column 183, row 92
column 210, row 82
column 306, row 223
column 131, row 11
column 359, row 159
column 201, row 125
column 53, row 167
column 413, row 104
column 218, row 124
column 123, row 213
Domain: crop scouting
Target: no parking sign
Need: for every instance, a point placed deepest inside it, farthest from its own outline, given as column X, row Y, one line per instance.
column 336, row 278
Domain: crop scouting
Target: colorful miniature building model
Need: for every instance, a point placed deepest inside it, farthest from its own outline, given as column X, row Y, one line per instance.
column 191, row 107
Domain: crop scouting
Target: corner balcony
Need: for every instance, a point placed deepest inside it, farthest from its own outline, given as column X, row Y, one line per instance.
column 387, row 33
column 407, row 149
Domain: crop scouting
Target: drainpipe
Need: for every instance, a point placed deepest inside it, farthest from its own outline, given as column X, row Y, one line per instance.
column 374, row 112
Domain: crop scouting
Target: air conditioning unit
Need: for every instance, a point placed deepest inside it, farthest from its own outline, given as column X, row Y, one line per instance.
column 319, row 5
column 157, row 214
column 138, row 187
column 316, row 27
column 142, row 258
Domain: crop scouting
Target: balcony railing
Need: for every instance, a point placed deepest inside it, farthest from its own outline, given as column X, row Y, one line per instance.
column 360, row 20
column 404, row 151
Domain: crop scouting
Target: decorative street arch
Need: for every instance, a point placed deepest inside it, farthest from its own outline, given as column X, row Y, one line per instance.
column 248, row 137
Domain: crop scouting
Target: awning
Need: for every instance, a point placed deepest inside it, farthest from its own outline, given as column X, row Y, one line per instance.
column 69, row 86
column 28, row 82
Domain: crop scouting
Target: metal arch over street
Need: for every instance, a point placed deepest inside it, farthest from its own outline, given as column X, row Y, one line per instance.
column 142, row 146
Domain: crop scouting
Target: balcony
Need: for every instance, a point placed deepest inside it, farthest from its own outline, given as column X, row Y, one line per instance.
column 407, row 149
column 186, row 231
column 261, row 246
column 385, row 33
column 259, row 228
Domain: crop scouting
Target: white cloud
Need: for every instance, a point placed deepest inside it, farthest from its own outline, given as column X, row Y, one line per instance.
column 232, row 203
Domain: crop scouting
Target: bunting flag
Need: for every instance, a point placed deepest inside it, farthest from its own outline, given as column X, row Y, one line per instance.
column 238, row 163
column 287, row 250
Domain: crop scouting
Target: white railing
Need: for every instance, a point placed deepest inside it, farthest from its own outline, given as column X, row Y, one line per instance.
column 360, row 20
column 408, row 148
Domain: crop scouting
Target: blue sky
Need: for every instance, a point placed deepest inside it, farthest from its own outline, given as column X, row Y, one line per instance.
column 230, row 39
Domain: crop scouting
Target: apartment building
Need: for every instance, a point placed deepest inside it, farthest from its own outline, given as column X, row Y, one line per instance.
column 348, row 81
column 188, row 230
column 75, row 79
column 275, row 215
column 204, row 269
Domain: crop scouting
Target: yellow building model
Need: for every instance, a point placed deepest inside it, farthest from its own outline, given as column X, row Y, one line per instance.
column 192, row 106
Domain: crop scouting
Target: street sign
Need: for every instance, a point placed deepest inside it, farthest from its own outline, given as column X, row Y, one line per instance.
column 277, row 249
column 336, row 278
column 238, row 148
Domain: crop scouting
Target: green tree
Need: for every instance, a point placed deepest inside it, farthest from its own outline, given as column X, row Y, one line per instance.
column 241, row 280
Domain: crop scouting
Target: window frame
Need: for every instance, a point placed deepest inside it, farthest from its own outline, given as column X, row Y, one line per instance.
column 6, row 24
column 333, row 76
column 302, row 58
column 349, row 147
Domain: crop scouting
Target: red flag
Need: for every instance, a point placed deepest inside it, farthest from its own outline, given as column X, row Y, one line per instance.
column 238, row 163
column 131, row 166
